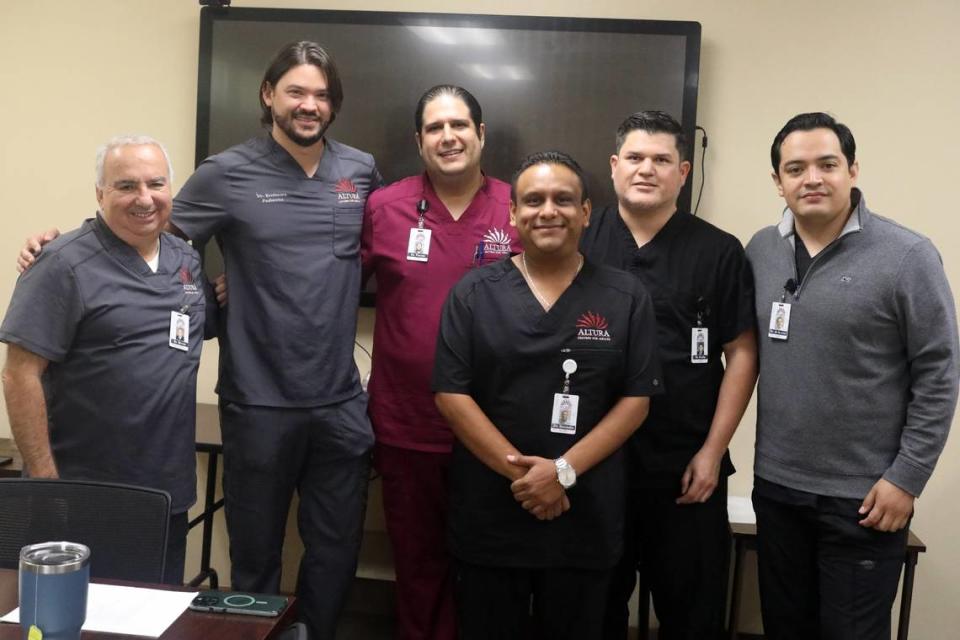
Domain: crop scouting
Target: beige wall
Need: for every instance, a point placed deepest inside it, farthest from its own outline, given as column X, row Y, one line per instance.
column 75, row 73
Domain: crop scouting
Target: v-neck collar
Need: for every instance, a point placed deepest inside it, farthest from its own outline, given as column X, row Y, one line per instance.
column 670, row 228
column 544, row 320
column 283, row 157
column 439, row 211
column 129, row 257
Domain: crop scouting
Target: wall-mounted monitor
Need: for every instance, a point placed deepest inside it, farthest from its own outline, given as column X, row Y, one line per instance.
column 543, row 83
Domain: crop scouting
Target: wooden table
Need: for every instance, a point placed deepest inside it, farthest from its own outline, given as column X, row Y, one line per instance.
column 191, row 625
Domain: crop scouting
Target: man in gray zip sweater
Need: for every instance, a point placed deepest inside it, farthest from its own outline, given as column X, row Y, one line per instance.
column 858, row 385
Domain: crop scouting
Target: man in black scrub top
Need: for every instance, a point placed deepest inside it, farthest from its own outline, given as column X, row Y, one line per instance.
column 544, row 367
column 678, row 463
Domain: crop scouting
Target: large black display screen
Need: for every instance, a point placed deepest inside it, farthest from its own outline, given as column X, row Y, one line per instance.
column 543, row 83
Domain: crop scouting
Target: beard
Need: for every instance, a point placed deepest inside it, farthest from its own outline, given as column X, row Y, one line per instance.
column 287, row 124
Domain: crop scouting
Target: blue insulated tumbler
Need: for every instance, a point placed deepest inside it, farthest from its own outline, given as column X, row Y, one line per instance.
column 53, row 589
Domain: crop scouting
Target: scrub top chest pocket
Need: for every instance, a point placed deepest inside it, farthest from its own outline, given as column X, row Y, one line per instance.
column 347, row 223
column 684, row 325
column 599, row 371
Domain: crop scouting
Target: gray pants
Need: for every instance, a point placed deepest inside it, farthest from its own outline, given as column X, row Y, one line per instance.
column 323, row 453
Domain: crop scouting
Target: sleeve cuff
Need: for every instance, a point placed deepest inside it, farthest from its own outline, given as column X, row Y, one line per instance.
column 907, row 476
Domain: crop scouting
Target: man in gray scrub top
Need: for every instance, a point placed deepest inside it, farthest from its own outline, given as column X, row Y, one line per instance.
column 286, row 210
column 98, row 386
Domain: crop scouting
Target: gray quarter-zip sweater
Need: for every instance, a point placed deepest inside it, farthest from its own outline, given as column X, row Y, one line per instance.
column 865, row 385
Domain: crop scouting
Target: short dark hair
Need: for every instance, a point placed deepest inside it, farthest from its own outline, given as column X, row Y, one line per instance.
column 476, row 113
column 292, row 55
column 654, row 122
column 809, row 122
column 549, row 157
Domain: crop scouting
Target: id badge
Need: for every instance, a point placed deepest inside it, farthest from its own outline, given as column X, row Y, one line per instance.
column 699, row 345
column 779, row 321
column 179, row 331
column 564, row 418
column 418, row 247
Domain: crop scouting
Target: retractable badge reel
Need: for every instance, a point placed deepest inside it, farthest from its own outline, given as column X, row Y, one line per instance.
column 418, row 245
column 564, row 415
column 700, row 336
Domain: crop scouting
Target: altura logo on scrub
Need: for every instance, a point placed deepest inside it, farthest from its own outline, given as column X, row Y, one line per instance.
column 346, row 191
column 592, row 326
column 186, row 279
column 496, row 241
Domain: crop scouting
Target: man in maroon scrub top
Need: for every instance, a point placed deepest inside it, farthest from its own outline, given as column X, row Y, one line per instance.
column 420, row 236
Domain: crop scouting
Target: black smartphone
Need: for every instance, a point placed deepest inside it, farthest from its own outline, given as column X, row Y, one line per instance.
column 251, row 604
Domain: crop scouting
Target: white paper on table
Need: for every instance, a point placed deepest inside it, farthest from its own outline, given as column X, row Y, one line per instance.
column 740, row 510
column 131, row 610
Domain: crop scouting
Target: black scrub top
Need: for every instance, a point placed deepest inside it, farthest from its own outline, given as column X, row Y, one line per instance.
column 693, row 270
column 497, row 345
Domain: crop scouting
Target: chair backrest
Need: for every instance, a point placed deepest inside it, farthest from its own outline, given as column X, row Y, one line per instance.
column 125, row 527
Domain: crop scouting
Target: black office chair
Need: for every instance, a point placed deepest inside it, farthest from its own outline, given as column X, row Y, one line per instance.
column 125, row 526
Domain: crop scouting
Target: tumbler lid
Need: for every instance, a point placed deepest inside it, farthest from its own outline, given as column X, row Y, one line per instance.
column 48, row 558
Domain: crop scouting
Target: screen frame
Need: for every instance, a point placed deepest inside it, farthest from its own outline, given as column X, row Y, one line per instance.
column 691, row 31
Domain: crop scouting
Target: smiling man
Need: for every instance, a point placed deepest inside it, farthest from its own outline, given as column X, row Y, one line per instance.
column 420, row 236
column 856, row 395
column 543, row 369
column 98, row 387
column 702, row 290
column 286, row 210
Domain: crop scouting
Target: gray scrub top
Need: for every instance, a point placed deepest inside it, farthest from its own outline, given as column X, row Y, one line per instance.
column 121, row 402
column 291, row 251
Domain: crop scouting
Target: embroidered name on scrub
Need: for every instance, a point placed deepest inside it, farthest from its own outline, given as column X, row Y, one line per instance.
column 564, row 415
column 179, row 330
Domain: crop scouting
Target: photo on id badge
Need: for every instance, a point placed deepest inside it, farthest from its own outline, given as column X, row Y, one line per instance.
column 779, row 321
column 418, row 245
column 564, row 415
column 179, row 331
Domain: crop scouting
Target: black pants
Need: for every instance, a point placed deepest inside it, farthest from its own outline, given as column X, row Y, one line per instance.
column 499, row 603
column 176, row 549
column 822, row 575
column 324, row 454
column 682, row 553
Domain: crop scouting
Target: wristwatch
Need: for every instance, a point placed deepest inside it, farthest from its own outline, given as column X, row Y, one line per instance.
column 565, row 473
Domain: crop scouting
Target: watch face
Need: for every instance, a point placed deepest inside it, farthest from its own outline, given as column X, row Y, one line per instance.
column 567, row 477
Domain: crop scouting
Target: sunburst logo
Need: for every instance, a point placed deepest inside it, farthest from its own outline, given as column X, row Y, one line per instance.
column 592, row 326
column 496, row 236
column 496, row 242
column 591, row 320
column 344, row 186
